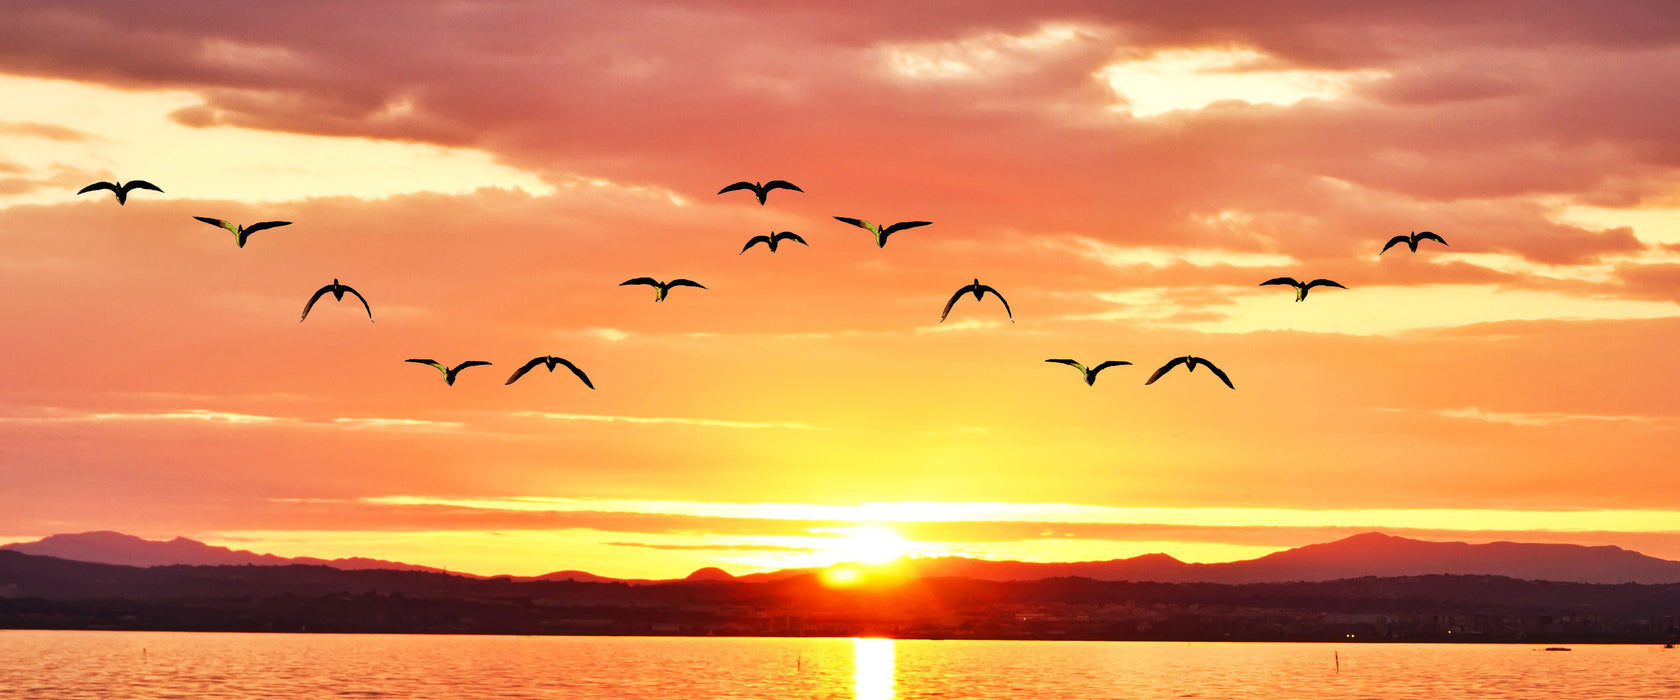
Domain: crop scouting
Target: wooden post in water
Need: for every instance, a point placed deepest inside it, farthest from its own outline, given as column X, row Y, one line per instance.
column 1338, row 661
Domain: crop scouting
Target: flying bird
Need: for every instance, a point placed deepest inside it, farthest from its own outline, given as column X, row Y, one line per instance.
column 242, row 233
column 978, row 289
column 761, row 191
column 551, row 361
column 1190, row 363
column 663, row 287
column 772, row 239
column 1300, row 288
column 449, row 372
column 121, row 189
column 1089, row 372
column 1412, row 240
column 338, row 291
column 882, row 233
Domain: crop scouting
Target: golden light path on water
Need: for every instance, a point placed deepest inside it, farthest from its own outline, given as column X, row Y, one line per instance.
column 872, row 660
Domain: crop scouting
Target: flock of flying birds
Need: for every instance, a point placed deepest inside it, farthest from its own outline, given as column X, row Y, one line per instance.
column 761, row 191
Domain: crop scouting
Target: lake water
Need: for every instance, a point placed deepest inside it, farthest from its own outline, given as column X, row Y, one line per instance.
column 35, row 664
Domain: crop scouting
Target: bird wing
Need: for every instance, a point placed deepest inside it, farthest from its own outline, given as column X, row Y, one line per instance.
column 984, row 289
column 1163, row 370
column 234, row 228
column 433, row 363
column 781, row 185
column 1394, row 242
column 526, row 368
column 640, row 280
column 469, row 363
column 679, row 282
column 140, row 185
column 1324, row 283
column 1110, row 363
column 860, row 223
column 313, row 299
column 739, row 186
column 576, row 371
column 902, row 225
column 791, row 236
column 953, row 302
column 253, row 228
column 755, row 240
column 1218, row 373
column 1070, row 363
column 98, row 186
column 1430, row 236
column 364, row 300
column 1281, row 280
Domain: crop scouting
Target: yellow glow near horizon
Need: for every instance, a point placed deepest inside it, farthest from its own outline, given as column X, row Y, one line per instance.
column 129, row 134
column 841, row 576
column 1177, row 79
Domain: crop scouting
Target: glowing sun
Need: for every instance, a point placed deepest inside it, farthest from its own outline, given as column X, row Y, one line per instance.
column 870, row 544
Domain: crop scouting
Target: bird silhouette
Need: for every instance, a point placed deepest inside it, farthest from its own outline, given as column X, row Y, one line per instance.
column 663, row 287
column 551, row 361
column 882, row 233
column 242, row 233
column 1190, row 363
column 1412, row 240
column 761, row 191
column 449, row 372
column 978, row 289
column 1301, row 288
column 121, row 189
column 338, row 291
column 772, row 239
column 1090, row 372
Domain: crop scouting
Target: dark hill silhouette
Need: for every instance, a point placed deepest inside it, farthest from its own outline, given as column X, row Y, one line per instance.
column 106, row 547
column 568, row 575
column 710, row 573
column 1369, row 554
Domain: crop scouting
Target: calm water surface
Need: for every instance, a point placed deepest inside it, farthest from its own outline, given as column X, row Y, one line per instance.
column 180, row 665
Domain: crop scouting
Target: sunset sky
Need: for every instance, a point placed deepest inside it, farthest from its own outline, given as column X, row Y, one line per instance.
column 1125, row 173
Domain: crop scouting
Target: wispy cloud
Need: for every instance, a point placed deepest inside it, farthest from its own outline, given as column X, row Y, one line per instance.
column 1163, row 256
column 1455, row 519
column 715, row 547
column 396, row 424
column 184, row 415
column 200, row 415
column 656, row 420
column 1542, row 418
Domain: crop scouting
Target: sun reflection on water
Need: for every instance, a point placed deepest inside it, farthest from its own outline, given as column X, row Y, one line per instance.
column 873, row 659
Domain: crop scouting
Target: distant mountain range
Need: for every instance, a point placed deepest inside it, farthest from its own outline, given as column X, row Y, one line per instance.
column 106, row 547
column 1370, row 554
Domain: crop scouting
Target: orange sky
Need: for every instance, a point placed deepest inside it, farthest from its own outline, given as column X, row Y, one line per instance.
column 1124, row 173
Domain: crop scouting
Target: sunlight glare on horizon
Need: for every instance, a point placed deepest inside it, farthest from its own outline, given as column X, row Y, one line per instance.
column 870, row 544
